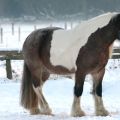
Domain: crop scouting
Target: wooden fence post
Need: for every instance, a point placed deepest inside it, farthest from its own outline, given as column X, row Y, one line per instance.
column 35, row 27
column 1, row 35
column 12, row 28
column 8, row 69
column 51, row 25
column 19, row 33
column 65, row 25
column 71, row 25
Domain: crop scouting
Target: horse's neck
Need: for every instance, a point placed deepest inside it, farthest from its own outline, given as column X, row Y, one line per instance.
column 80, row 33
column 103, row 38
column 111, row 34
column 75, row 38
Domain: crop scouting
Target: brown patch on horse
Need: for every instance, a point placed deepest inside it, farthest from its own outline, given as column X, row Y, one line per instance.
column 94, row 55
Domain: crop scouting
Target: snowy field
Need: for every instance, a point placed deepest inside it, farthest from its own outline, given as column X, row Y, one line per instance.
column 58, row 92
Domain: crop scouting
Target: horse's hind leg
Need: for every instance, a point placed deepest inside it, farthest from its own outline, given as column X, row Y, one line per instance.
column 97, row 84
column 40, row 75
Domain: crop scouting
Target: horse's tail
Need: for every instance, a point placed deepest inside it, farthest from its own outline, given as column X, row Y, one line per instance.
column 28, row 97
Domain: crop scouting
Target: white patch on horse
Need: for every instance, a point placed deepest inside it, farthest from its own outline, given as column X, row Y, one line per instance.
column 76, row 108
column 44, row 107
column 65, row 44
column 99, row 106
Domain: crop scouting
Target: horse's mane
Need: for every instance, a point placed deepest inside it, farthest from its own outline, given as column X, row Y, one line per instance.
column 100, row 20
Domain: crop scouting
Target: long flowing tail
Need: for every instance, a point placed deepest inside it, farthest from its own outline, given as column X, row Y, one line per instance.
column 28, row 97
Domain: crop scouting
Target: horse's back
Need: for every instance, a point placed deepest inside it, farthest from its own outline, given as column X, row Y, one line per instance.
column 37, row 39
column 39, row 35
column 37, row 46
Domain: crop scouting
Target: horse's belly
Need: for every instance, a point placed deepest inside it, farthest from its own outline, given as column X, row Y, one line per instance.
column 68, row 61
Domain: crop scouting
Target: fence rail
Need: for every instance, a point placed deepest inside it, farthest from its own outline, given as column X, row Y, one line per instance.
column 116, row 53
column 9, row 55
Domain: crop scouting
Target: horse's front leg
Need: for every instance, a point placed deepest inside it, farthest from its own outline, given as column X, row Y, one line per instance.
column 97, row 81
column 78, row 89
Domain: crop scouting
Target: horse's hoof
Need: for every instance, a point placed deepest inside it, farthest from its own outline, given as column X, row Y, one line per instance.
column 102, row 113
column 34, row 111
column 78, row 114
column 47, row 112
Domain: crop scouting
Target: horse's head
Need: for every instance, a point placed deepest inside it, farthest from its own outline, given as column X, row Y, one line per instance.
column 115, row 20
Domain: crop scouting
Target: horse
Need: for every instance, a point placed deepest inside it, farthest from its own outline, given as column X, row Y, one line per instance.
column 82, row 50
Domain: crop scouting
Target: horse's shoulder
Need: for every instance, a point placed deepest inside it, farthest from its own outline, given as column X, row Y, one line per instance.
column 94, row 34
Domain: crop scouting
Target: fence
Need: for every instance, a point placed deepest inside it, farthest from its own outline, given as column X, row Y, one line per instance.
column 18, row 32
column 17, row 55
column 8, row 56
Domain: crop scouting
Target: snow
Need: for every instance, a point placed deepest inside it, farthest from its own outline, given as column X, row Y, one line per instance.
column 58, row 92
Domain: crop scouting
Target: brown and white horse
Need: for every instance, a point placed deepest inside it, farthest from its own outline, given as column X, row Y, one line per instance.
column 82, row 50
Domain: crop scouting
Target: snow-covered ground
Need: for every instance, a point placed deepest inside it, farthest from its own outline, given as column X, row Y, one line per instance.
column 59, row 94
